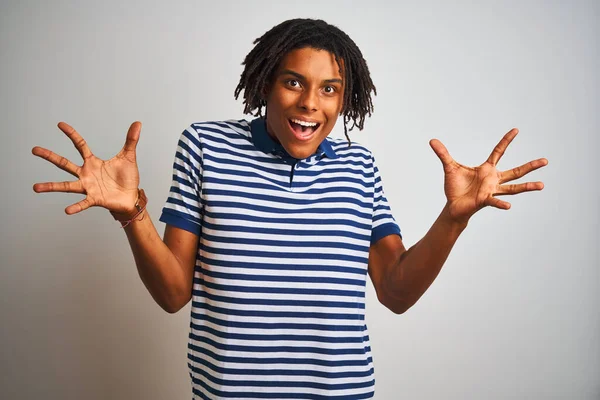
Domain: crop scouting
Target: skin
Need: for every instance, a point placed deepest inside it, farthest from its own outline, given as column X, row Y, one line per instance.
column 400, row 276
column 307, row 85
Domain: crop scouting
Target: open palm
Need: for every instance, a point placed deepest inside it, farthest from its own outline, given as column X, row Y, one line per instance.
column 469, row 189
column 112, row 184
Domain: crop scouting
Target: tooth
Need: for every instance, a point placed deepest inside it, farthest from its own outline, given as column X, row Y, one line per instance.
column 304, row 123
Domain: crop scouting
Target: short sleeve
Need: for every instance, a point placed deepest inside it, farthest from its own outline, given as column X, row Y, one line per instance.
column 383, row 223
column 183, row 208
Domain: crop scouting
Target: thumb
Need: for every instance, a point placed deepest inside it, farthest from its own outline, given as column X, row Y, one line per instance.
column 441, row 151
column 133, row 136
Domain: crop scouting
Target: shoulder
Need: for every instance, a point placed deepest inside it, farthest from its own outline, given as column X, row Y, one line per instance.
column 354, row 151
column 217, row 134
column 231, row 128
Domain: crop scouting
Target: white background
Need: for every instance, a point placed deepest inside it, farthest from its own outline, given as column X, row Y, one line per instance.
column 514, row 313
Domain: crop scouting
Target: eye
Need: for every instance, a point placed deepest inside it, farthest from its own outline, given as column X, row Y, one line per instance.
column 329, row 89
column 293, row 83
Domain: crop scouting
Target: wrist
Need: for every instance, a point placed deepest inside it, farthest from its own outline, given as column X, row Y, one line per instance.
column 127, row 217
column 454, row 223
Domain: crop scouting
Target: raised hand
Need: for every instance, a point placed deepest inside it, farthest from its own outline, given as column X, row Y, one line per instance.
column 469, row 189
column 111, row 184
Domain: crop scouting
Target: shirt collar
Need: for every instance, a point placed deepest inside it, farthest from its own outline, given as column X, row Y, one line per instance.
column 263, row 141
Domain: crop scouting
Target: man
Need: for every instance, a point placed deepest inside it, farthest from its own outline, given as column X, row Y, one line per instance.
column 272, row 226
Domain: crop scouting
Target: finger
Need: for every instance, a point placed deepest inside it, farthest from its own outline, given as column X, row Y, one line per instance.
column 64, row 187
column 522, row 170
column 500, row 148
column 519, row 188
column 77, row 140
column 78, row 207
column 441, row 151
column 133, row 136
column 57, row 160
column 497, row 203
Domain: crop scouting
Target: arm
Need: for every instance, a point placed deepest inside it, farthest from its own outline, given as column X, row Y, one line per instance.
column 166, row 267
column 400, row 277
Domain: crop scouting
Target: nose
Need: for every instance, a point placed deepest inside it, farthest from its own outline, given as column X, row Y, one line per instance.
column 309, row 100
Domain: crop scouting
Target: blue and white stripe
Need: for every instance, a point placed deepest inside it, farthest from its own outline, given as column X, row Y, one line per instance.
column 278, row 306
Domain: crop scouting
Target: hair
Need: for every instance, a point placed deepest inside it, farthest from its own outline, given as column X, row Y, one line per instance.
column 269, row 50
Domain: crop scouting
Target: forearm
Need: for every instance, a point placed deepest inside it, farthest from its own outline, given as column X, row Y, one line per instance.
column 416, row 269
column 160, row 270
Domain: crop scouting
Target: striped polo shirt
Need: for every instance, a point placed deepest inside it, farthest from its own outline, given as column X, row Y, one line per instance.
column 278, row 302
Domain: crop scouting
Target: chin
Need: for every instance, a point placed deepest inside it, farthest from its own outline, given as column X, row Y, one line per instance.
column 301, row 153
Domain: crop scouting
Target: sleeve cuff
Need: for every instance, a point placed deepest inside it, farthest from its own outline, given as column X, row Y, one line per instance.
column 385, row 230
column 180, row 221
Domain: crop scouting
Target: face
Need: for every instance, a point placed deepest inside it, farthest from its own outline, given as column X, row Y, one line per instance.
column 304, row 99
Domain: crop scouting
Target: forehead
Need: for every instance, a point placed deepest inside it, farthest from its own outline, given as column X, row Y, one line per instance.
column 311, row 63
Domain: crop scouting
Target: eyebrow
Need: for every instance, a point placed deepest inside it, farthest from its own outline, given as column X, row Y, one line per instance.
column 302, row 77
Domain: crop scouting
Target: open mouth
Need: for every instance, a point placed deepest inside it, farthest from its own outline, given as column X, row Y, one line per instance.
column 303, row 130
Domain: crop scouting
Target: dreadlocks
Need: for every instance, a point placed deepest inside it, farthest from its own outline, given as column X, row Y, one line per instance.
column 262, row 61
